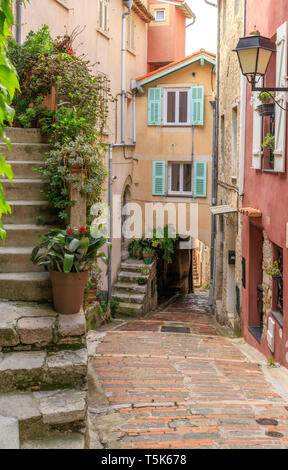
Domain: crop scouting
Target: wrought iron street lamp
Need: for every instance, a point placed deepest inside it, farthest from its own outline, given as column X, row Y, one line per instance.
column 254, row 54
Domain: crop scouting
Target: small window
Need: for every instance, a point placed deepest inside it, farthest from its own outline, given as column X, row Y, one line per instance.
column 160, row 15
column 103, row 23
column 176, row 107
column 180, row 179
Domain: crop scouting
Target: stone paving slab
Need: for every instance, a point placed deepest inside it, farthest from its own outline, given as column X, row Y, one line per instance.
column 9, row 433
column 171, row 390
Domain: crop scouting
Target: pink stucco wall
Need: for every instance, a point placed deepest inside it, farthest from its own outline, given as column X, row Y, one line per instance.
column 265, row 191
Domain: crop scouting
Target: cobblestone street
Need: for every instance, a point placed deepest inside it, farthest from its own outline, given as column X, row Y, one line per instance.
column 151, row 388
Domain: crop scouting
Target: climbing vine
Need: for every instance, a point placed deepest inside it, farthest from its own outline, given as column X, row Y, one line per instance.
column 50, row 71
column 9, row 83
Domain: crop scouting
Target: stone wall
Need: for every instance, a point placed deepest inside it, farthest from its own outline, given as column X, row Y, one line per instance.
column 267, row 280
column 228, row 237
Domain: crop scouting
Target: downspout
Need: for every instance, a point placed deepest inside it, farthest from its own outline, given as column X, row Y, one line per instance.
column 128, row 4
column 243, row 97
column 110, row 201
column 215, row 105
column 18, row 20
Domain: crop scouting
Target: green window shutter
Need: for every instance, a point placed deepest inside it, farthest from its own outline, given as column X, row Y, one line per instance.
column 197, row 105
column 158, row 178
column 154, row 106
column 200, row 179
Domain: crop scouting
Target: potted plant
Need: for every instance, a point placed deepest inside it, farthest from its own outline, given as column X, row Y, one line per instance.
column 135, row 249
column 274, row 271
column 141, row 281
column 148, row 254
column 90, row 291
column 266, row 108
column 269, row 141
column 69, row 255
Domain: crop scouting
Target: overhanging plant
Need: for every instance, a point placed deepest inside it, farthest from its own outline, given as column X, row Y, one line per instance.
column 273, row 269
column 269, row 141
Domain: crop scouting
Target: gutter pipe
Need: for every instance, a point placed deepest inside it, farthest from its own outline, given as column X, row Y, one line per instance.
column 128, row 4
column 18, row 21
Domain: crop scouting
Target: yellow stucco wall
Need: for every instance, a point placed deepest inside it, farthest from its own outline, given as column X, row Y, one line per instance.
column 175, row 143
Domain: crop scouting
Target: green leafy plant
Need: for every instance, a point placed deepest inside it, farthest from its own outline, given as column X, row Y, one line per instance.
column 273, row 269
column 141, row 281
column 77, row 123
column 8, row 85
column 148, row 251
column 265, row 97
column 145, row 270
column 269, row 141
column 71, row 250
column 165, row 240
column 135, row 249
column 271, row 362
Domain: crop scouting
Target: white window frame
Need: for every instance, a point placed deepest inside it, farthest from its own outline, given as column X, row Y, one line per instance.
column 103, row 21
column 181, row 176
column 176, row 123
column 155, row 15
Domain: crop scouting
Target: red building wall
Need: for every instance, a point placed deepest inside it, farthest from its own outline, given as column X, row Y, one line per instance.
column 265, row 191
column 166, row 43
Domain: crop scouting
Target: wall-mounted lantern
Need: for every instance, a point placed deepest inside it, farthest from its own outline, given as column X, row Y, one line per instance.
column 254, row 54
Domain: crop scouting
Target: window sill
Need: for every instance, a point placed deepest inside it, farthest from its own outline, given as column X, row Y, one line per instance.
column 63, row 4
column 103, row 33
column 176, row 125
column 270, row 171
column 278, row 317
column 131, row 51
column 179, row 195
column 256, row 331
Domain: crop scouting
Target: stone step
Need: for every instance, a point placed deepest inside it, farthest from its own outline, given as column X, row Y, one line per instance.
column 38, row 370
column 129, row 309
column 25, row 136
column 131, row 287
column 24, row 189
column 28, row 286
column 67, row 441
column 133, row 266
column 25, row 235
column 24, row 151
column 43, row 414
column 29, row 212
column 128, row 297
column 124, row 255
column 130, row 276
column 28, row 326
column 17, row 260
column 26, row 169
column 9, row 433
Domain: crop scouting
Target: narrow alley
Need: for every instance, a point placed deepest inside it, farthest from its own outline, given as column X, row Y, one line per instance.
column 172, row 380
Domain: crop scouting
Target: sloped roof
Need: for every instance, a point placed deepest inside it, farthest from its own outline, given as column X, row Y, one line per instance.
column 185, row 9
column 199, row 56
column 139, row 8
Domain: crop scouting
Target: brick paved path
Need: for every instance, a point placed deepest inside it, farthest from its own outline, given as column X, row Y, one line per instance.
column 177, row 390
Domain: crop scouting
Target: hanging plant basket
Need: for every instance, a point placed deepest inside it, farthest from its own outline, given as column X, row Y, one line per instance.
column 267, row 109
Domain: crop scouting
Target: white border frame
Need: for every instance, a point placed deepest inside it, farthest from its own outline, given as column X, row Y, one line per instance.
column 181, row 192
column 176, row 123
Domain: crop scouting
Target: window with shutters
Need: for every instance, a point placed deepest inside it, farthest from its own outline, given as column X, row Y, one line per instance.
column 180, row 179
column 103, row 10
column 176, row 107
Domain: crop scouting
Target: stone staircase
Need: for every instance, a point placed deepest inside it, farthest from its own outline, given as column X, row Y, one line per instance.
column 134, row 299
column 43, row 355
column 19, row 278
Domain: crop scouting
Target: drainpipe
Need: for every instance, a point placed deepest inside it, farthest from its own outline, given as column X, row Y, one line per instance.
column 110, row 200
column 215, row 105
column 18, row 20
column 128, row 4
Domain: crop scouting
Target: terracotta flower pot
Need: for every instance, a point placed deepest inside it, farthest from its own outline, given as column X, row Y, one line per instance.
column 68, row 291
column 148, row 258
